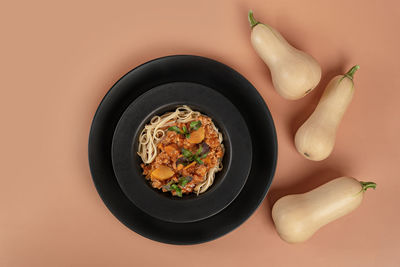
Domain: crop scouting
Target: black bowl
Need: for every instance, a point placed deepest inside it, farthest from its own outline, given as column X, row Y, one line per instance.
column 195, row 69
column 236, row 161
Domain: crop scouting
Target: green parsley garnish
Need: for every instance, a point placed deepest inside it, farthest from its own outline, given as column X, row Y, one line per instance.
column 177, row 189
column 195, row 125
column 186, row 132
column 184, row 180
column 200, row 154
column 175, row 129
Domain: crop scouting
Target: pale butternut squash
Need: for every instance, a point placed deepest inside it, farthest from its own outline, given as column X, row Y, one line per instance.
column 196, row 137
column 294, row 73
column 315, row 139
column 171, row 150
column 162, row 173
column 298, row 217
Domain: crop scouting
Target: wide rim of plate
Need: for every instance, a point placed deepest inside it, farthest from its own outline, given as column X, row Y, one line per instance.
column 228, row 182
column 102, row 129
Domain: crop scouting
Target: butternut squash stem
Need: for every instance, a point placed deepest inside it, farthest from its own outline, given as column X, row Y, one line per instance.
column 252, row 20
column 351, row 72
column 366, row 185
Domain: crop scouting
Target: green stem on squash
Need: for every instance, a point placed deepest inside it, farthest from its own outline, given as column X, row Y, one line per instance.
column 252, row 20
column 351, row 72
column 366, row 185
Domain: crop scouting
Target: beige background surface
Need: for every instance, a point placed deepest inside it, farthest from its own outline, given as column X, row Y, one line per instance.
column 59, row 58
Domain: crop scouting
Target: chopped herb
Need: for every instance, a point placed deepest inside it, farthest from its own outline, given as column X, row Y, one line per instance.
column 205, row 148
column 201, row 153
column 182, row 161
column 168, row 185
column 187, row 154
column 177, row 190
column 175, row 129
column 204, row 155
column 184, row 180
column 195, row 125
column 174, row 186
column 171, row 186
column 186, row 132
column 198, row 152
column 198, row 160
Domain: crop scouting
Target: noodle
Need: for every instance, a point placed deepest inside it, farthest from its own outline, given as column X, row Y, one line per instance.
column 154, row 132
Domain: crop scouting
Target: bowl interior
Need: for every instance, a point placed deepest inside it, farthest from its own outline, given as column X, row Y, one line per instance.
column 229, row 181
column 219, row 176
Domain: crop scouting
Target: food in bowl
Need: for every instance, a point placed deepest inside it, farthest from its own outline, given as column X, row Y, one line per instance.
column 181, row 152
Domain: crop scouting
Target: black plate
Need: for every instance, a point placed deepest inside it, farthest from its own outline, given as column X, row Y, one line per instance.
column 184, row 69
column 236, row 161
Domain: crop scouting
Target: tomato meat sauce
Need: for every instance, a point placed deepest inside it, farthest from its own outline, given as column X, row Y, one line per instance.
column 185, row 156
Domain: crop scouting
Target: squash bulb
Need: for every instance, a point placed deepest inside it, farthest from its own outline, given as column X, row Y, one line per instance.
column 315, row 139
